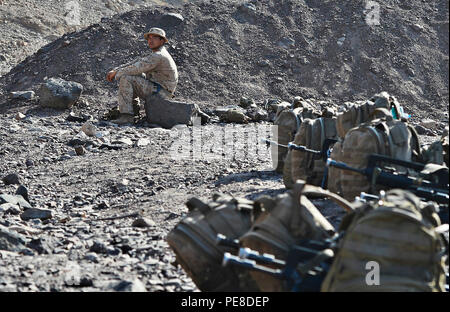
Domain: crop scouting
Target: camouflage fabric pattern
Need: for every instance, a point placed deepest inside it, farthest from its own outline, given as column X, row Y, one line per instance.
column 158, row 67
column 131, row 87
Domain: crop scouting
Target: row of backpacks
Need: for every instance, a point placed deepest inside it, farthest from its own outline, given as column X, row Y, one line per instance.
column 389, row 240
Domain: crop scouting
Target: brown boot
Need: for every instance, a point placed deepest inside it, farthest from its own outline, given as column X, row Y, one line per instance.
column 124, row 119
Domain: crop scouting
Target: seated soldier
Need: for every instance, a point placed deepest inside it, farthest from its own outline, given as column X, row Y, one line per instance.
column 155, row 74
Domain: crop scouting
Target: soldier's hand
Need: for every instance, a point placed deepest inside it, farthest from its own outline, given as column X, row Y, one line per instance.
column 110, row 76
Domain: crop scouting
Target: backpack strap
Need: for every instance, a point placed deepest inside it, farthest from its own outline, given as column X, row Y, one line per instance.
column 417, row 152
column 301, row 188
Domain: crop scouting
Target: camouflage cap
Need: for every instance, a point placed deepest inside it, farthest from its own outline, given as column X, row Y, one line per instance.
column 156, row 31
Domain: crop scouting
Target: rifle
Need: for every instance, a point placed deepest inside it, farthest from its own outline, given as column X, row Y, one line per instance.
column 304, row 269
column 429, row 190
column 323, row 154
column 425, row 189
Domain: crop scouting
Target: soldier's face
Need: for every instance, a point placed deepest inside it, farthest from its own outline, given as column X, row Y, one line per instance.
column 154, row 42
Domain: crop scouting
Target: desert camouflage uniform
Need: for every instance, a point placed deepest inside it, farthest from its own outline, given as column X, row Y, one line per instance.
column 138, row 79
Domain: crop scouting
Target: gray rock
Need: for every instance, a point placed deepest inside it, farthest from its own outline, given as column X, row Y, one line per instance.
column 23, row 191
column 173, row 18
column 130, row 286
column 14, row 199
column 43, row 245
column 3, row 58
column 24, row 95
column 99, row 247
column 36, row 213
column 143, row 222
column 286, row 43
column 10, row 240
column 142, row 142
column 59, row 94
column 12, row 178
column 9, row 208
column 168, row 113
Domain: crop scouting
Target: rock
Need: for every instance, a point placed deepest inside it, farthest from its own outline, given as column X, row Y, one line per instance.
column 2, row 57
column 19, row 116
column 89, row 129
column 286, row 43
column 29, row 163
column 168, row 113
column 12, row 178
column 91, row 256
column 246, row 102
column 234, row 115
column 125, row 141
column 142, row 142
column 258, row 115
column 59, row 94
column 23, row 191
column 43, row 245
column 11, row 241
column 99, row 247
column 428, row 123
column 36, row 213
column 15, row 200
column 248, row 8
column 173, row 19
column 130, row 286
column 72, row 117
column 9, row 208
column 79, row 150
column 143, row 222
column 23, row 95
column 421, row 130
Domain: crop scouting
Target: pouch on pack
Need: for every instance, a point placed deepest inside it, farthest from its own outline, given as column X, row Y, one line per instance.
column 292, row 219
column 359, row 113
column 394, row 244
column 304, row 166
column 384, row 136
column 193, row 240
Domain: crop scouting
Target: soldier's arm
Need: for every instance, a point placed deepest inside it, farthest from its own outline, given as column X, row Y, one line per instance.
column 145, row 65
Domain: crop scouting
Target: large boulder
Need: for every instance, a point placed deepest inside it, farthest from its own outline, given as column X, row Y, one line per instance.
column 168, row 113
column 59, row 94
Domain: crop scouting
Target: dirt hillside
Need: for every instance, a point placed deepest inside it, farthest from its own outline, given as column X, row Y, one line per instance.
column 229, row 49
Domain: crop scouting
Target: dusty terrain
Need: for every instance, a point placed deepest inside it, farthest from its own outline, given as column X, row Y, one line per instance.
column 224, row 50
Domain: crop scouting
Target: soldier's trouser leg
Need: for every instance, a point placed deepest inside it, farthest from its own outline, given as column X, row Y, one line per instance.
column 129, row 88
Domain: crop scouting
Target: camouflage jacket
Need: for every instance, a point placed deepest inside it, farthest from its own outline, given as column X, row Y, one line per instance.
column 158, row 67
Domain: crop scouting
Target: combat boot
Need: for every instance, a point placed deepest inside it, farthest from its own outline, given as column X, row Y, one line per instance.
column 124, row 119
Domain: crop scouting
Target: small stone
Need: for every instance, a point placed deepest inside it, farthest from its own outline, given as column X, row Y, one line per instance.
column 11, row 241
column 24, row 95
column 142, row 142
column 428, row 123
column 11, row 179
column 143, row 222
column 89, row 129
column 36, row 213
column 80, row 150
column 131, row 286
column 23, row 191
column 99, row 247
column 91, row 256
column 29, row 163
column 19, row 116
